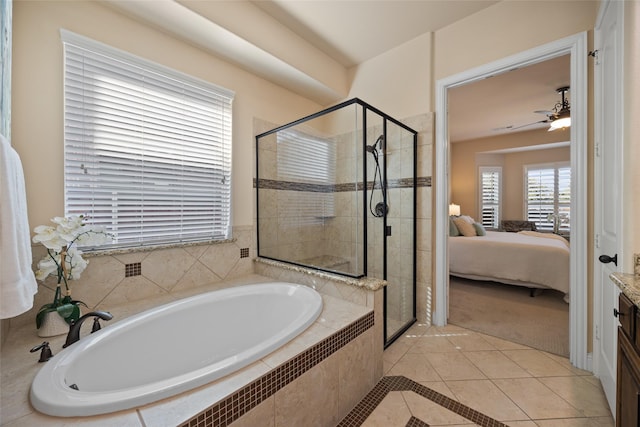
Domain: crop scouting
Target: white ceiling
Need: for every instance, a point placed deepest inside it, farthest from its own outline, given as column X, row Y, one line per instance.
column 352, row 32
column 267, row 37
column 500, row 104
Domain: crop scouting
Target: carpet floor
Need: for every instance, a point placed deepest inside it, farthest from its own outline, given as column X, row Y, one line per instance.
column 508, row 312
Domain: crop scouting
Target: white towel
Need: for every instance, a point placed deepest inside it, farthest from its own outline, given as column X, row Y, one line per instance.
column 17, row 281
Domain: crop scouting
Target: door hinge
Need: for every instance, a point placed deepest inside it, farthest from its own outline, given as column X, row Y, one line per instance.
column 597, row 332
column 597, row 149
column 594, row 54
column 596, row 240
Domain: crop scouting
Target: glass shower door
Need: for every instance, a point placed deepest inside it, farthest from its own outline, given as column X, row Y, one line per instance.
column 400, row 242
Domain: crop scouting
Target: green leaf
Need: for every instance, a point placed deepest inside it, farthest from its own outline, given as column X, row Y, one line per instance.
column 67, row 311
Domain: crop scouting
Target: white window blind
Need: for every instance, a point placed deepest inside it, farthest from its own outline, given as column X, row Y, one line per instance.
column 549, row 196
column 490, row 190
column 147, row 149
column 306, row 159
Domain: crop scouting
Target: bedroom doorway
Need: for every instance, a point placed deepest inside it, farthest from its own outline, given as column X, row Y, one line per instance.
column 575, row 46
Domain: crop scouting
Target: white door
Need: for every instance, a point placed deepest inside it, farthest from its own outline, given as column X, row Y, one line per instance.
column 608, row 193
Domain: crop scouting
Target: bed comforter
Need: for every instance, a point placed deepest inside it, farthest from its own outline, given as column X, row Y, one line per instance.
column 527, row 258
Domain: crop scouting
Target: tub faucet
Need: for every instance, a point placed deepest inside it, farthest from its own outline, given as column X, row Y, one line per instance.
column 74, row 328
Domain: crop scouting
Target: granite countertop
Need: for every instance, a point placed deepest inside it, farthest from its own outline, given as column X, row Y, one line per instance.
column 369, row 283
column 629, row 284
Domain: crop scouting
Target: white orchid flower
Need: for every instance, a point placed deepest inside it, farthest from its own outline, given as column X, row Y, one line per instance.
column 49, row 237
column 46, row 267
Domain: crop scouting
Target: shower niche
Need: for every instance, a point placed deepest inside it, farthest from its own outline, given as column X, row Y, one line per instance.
column 336, row 192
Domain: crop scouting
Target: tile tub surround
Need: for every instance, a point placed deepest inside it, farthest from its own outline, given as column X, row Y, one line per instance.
column 366, row 292
column 19, row 367
column 162, row 272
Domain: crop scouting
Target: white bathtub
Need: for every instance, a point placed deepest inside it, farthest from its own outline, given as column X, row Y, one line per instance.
column 172, row 348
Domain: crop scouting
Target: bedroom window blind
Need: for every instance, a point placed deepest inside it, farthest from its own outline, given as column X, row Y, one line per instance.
column 549, row 196
column 490, row 191
column 147, row 149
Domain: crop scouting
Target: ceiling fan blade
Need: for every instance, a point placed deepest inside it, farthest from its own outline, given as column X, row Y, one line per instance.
column 545, row 112
column 509, row 127
column 530, row 124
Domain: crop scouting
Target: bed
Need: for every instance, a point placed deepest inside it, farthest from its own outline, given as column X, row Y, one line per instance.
column 526, row 258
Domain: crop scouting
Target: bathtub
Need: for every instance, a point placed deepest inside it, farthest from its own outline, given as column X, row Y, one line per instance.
column 172, row 348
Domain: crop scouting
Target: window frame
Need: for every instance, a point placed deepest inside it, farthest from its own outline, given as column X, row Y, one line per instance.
column 565, row 228
column 498, row 217
column 182, row 157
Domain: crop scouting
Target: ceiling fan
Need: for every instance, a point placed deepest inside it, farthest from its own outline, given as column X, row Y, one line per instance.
column 559, row 117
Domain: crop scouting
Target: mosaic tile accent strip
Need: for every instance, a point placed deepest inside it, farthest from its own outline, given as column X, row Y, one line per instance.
column 415, row 422
column 242, row 401
column 273, row 184
column 398, row 383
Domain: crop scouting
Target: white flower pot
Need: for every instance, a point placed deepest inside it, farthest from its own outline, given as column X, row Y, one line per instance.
column 53, row 325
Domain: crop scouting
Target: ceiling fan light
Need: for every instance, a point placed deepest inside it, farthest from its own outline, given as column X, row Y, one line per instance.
column 560, row 123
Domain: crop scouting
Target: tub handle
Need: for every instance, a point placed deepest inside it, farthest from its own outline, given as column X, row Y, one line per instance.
column 96, row 325
column 45, row 354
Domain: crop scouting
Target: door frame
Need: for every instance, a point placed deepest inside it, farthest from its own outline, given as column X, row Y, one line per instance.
column 576, row 46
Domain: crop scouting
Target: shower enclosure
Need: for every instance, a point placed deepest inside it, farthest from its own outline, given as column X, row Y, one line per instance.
column 336, row 192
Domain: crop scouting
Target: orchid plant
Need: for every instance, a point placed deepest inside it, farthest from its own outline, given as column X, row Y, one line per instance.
column 64, row 260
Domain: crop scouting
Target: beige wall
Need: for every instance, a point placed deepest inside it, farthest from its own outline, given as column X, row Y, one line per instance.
column 38, row 104
column 466, row 157
column 507, row 28
column 398, row 82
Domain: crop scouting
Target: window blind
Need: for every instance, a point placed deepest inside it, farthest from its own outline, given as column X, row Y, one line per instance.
column 147, row 149
column 490, row 183
column 306, row 159
column 549, row 194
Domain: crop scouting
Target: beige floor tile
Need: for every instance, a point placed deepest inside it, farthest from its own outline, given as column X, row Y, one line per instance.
column 415, row 366
column 537, row 363
column 495, row 364
column 430, row 412
column 470, row 342
column 520, row 423
column 484, row 396
column 536, row 399
column 573, row 422
column 567, row 364
column 392, row 411
column 440, row 387
column 580, row 393
column 395, row 351
column 454, row 366
column 431, row 344
column 501, row 344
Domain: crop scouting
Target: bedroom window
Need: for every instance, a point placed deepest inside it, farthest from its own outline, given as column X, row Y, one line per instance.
column 490, row 188
column 548, row 201
column 147, row 149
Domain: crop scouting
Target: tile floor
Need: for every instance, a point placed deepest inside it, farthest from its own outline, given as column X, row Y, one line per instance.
column 508, row 383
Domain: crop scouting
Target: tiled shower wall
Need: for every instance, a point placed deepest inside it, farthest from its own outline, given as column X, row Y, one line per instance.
column 338, row 235
column 115, row 279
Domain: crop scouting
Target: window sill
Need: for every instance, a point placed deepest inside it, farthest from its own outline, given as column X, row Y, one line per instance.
column 149, row 248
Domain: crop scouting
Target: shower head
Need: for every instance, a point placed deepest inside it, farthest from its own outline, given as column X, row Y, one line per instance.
column 372, row 148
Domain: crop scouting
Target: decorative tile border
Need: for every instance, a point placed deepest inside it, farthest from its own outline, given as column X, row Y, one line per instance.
column 414, row 422
column 398, row 383
column 242, row 401
column 272, row 184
